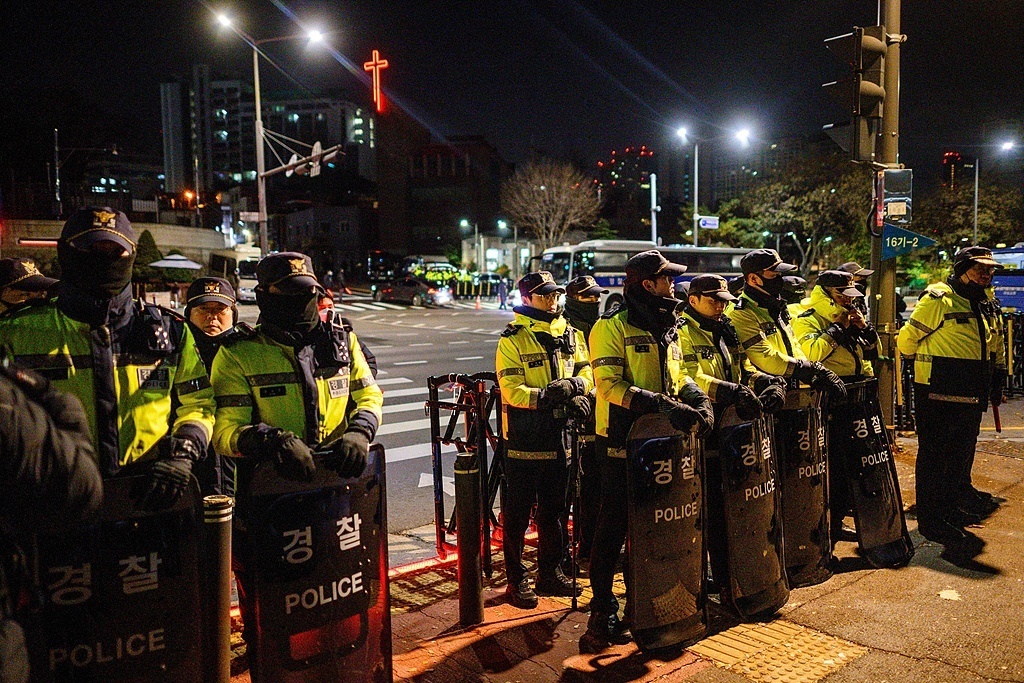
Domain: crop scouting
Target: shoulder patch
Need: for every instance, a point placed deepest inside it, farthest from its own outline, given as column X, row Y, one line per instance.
column 173, row 315
column 935, row 293
column 510, row 330
column 346, row 323
column 611, row 311
column 238, row 333
column 808, row 312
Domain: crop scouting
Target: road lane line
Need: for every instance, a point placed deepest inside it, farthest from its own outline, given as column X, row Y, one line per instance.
column 470, row 358
column 410, row 362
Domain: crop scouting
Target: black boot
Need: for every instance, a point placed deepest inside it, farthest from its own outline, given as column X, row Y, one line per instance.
column 603, row 629
column 521, row 595
column 557, row 584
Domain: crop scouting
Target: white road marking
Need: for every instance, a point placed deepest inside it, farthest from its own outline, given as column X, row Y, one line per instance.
column 447, row 483
column 423, row 344
column 470, row 358
column 461, row 341
column 393, row 380
column 398, row 393
column 411, row 362
column 420, row 450
column 403, row 407
column 400, row 427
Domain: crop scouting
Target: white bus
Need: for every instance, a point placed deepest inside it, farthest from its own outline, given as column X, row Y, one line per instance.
column 238, row 266
column 605, row 260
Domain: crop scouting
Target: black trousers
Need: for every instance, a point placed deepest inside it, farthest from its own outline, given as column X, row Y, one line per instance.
column 527, row 482
column 717, row 535
column 612, row 527
column 840, row 499
column 947, row 435
column 585, row 514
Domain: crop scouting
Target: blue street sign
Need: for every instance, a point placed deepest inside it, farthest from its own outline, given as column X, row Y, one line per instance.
column 708, row 223
column 896, row 241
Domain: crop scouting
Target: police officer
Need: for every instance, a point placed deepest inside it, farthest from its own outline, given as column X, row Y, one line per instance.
column 211, row 311
column 292, row 384
column 582, row 308
column 21, row 283
column 762, row 323
column 949, row 337
column 793, row 292
column 50, row 478
column 833, row 331
column 133, row 365
column 638, row 368
column 545, row 376
column 713, row 359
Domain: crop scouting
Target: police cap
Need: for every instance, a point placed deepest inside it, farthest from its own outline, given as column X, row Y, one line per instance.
column 855, row 269
column 21, row 273
column 710, row 285
column 540, row 282
column 290, row 271
column 971, row 256
column 764, row 259
column 207, row 289
column 87, row 226
column 583, row 285
column 648, row 265
column 838, row 279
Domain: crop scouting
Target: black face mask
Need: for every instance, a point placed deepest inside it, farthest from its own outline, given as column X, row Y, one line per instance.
column 290, row 312
column 98, row 273
column 773, row 286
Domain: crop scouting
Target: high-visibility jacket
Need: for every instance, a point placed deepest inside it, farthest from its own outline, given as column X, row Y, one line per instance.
column 828, row 345
column 997, row 346
column 628, row 359
column 525, row 365
column 258, row 380
column 949, row 340
column 707, row 363
column 766, row 339
column 138, row 383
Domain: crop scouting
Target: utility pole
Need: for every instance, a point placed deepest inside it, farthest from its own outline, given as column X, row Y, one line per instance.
column 883, row 285
column 654, row 208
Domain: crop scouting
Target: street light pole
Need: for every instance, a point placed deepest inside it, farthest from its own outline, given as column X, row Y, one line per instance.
column 696, row 213
column 977, row 162
column 261, row 181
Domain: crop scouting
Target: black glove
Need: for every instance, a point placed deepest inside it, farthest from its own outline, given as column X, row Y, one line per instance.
column 291, row 457
column 748, row 407
column 170, row 475
column 995, row 396
column 760, row 381
column 837, row 332
column 559, row 391
column 65, row 410
column 348, row 454
column 773, row 398
column 683, row 417
column 826, row 380
column 867, row 336
column 579, row 408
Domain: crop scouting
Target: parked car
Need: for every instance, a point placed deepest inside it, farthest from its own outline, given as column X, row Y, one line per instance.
column 412, row 291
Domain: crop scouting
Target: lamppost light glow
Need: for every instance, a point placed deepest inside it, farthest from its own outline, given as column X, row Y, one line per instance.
column 1008, row 145
column 681, row 133
column 224, row 20
column 464, row 223
column 316, row 36
column 743, row 135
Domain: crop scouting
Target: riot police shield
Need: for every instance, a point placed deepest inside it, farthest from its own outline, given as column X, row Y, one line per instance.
column 751, row 514
column 871, row 476
column 120, row 597
column 665, row 473
column 801, row 443
column 318, row 575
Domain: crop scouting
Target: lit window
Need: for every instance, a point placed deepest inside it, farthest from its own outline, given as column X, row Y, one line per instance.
column 237, row 177
column 356, row 121
column 223, row 135
column 103, row 181
column 294, row 118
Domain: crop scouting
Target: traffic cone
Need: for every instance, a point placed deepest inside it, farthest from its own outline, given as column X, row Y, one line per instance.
column 477, row 302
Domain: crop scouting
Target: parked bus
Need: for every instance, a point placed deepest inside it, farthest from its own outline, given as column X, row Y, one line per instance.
column 605, row 260
column 237, row 266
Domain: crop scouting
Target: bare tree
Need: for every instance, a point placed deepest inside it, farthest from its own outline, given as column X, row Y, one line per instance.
column 548, row 198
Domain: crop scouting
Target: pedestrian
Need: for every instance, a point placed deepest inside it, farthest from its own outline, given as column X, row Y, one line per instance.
column 833, row 331
column 328, row 313
column 133, row 365
column 50, row 480
column 638, row 369
column 545, row 377
column 21, row 283
column 502, row 294
column 212, row 314
column 713, row 358
column 949, row 336
column 762, row 322
column 582, row 309
column 293, row 384
column 328, row 281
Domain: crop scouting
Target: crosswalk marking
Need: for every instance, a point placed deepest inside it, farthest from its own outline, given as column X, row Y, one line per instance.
column 420, row 450
column 393, row 380
column 399, row 427
column 403, row 407
column 397, row 393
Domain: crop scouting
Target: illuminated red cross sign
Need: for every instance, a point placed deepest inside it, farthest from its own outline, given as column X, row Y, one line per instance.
column 376, row 65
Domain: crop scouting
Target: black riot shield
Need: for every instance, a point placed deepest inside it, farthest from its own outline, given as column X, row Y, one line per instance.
column 319, row 575
column 871, row 475
column 120, row 597
column 751, row 510
column 665, row 472
column 801, row 443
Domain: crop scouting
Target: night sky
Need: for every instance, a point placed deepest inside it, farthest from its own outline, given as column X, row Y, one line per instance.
column 570, row 78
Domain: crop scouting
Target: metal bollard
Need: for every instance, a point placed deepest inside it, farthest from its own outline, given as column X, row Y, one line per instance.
column 218, row 511
column 468, row 508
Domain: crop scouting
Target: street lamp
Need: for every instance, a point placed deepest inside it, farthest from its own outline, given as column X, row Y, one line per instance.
column 742, row 135
column 476, row 240
column 503, row 226
column 261, row 182
column 1005, row 147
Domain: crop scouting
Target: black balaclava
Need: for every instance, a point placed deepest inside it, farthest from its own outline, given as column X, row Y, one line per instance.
column 296, row 315
column 587, row 312
column 773, row 286
column 99, row 274
column 968, row 290
column 649, row 311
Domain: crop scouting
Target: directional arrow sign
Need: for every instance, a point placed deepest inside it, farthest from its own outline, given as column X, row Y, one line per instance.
column 708, row 223
column 896, row 241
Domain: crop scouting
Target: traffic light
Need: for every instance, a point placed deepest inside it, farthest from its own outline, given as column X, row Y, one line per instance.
column 862, row 93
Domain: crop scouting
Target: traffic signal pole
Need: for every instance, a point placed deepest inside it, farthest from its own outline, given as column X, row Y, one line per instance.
column 883, row 284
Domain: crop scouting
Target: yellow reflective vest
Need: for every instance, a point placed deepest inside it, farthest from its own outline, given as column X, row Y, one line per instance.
column 708, row 364
column 949, row 340
column 766, row 340
column 157, row 392
column 628, row 359
column 812, row 332
column 524, row 367
column 258, row 380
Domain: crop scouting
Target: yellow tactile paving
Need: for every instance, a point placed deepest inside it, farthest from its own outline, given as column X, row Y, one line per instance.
column 778, row 651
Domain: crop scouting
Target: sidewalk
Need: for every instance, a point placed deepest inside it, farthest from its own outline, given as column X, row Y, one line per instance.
column 942, row 619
